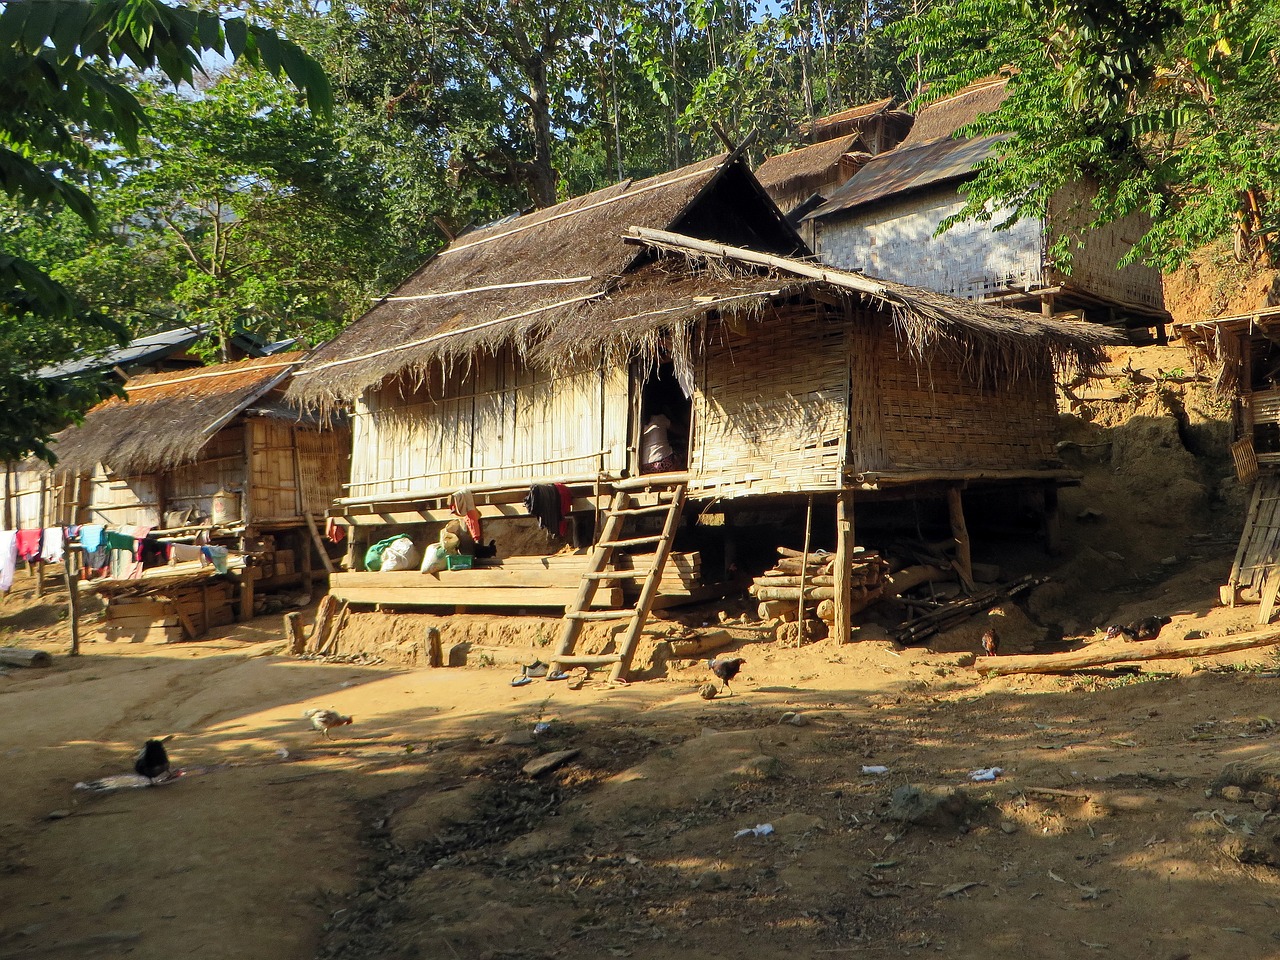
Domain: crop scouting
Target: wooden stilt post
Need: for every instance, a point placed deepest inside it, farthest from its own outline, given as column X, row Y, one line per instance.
column 42, row 523
column 804, row 564
column 842, row 627
column 964, row 561
column 70, row 567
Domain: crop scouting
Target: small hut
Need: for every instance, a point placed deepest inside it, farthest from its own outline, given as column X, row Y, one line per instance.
column 883, row 222
column 536, row 351
column 212, row 457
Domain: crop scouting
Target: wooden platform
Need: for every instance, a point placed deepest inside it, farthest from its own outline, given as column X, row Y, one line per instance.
column 548, row 582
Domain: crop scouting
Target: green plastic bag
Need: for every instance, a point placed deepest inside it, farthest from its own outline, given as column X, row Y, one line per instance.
column 373, row 556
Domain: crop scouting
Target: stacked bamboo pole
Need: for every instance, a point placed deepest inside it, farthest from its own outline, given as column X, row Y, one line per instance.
column 780, row 588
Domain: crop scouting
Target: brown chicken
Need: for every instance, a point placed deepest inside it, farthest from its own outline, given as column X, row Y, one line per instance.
column 991, row 642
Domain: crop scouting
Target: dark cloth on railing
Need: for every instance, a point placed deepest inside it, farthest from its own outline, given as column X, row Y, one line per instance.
column 544, row 502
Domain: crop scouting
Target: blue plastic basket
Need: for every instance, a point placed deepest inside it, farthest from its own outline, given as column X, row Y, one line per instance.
column 459, row 561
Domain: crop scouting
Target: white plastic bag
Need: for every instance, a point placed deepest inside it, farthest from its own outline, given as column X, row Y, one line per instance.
column 401, row 555
column 434, row 559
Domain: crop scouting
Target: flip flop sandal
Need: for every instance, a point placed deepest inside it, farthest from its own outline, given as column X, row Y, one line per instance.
column 558, row 675
column 520, row 681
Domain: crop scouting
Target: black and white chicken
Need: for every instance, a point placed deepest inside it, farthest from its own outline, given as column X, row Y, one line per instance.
column 726, row 668
column 326, row 720
column 153, row 761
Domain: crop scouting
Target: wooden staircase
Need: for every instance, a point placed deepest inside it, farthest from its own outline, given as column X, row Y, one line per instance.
column 670, row 492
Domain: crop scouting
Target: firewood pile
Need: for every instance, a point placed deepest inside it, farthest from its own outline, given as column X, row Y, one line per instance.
column 778, row 589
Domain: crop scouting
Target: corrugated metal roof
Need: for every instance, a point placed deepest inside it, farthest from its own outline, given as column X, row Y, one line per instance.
column 909, row 168
column 135, row 353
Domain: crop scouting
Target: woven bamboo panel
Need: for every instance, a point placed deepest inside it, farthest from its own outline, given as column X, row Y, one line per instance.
column 496, row 420
column 35, row 499
column 1245, row 459
column 325, row 458
column 771, row 406
column 866, row 424
column 274, row 484
column 122, row 501
column 943, row 415
column 221, row 466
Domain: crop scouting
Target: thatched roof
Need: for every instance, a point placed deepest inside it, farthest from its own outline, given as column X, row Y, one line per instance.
column 942, row 118
column 168, row 418
column 930, row 155
column 809, row 167
column 514, row 282
column 836, row 124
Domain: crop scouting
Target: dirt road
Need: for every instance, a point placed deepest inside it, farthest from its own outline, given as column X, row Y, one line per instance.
column 415, row 832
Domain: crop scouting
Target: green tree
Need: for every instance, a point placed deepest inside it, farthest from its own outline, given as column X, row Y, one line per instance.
column 64, row 65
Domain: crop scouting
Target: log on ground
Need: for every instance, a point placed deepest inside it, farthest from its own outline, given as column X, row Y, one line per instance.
column 1105, row 654
column 18, row 657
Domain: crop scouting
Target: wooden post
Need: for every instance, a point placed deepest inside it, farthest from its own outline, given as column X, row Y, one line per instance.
column 303, row 553
column 964, row 561
column 8, row 495
column 319, row 542
column 246, row 579
column 842, row 627
column 804, row 563
column 69, row 566
column 294, row 634
column 42, row 524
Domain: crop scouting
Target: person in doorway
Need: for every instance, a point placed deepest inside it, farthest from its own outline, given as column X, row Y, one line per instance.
column 657, row 455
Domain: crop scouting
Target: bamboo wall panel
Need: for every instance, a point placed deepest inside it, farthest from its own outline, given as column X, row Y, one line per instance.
column 866, row 422
column 221, row 466
column 495, row 420
column 941, row 415
column 771, row 408
column 122, row 501
column 273, row 488
column 1094, row 268
column 325, row 458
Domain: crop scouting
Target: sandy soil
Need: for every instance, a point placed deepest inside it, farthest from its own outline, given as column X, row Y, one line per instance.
column 416, row 833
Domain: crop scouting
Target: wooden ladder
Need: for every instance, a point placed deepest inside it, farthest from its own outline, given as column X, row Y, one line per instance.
column 671, row 498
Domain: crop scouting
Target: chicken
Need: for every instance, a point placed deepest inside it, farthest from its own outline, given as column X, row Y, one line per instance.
column 153, row 761
column 726, row 668
column 1148, row 628
column 990, row 642
column 326, row 720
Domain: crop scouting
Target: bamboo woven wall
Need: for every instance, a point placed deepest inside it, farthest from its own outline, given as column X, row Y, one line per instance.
column 771, row 405
column 498, row 420
column 35, row 498
column 221, row 466
column 940, row 415
column 122, row 501
column 325, row 458
column 273, row 483
column 1094, row 269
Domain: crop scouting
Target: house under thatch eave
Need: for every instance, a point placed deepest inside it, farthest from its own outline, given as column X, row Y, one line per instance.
column 885, row 221
column 213, row 456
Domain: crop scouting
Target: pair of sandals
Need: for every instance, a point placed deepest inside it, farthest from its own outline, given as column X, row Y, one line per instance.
column 530, row 671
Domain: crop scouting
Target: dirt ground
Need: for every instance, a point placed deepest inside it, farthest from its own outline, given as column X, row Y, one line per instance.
column 415, row 832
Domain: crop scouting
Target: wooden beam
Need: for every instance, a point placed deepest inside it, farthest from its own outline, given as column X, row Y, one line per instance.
column 468, row 596
column 843, row 599
column 1105, row 654
column 960, row 531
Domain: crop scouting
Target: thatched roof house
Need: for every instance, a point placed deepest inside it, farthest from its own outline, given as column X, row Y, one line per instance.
column 211, row 454
column 802, row 179
column 535, row 351
column 883, row 221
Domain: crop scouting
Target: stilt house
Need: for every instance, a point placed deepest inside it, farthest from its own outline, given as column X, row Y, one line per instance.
column 1247, row 351
column 883, row 220
column 535, row 351
column 214, row 456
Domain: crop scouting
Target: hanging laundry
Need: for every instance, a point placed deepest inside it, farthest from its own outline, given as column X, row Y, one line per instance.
column 120, row 541
column 217, row 556
column 91, row 537
column 566, row 508
column 52, row 544
column 29, row 545
column 8, row 558
column 543, row 502
column 152, row 552
column 463, row 504
column 335, row 531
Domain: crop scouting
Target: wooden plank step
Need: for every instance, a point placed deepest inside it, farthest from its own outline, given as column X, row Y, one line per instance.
column 599, row 615
column 637, row 511
column 617, row 574
column 633, row 542
column 584, row 660
column 469, row 596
